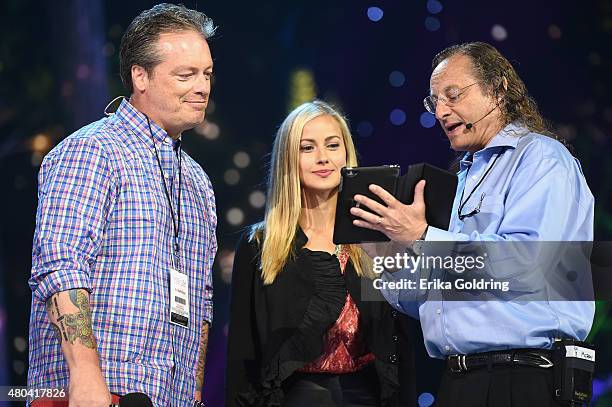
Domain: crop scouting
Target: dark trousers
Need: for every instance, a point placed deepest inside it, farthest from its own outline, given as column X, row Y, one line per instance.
column 359, row 389
column 503, row 386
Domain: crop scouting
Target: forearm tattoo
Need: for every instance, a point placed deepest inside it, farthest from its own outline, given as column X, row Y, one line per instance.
column 73, row 326
column 202, row 356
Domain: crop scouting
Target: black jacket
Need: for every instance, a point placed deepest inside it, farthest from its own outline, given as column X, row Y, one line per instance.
column 276, row 329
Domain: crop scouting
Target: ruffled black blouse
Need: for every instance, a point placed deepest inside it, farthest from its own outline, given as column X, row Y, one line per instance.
column 276, row 329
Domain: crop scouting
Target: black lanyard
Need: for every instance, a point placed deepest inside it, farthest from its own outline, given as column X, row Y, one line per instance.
column 176, row 221
column 462, row 202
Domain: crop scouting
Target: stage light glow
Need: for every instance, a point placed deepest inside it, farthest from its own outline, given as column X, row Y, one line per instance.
column 554, row 31
column 242, row 159
column 208, row 129
column 365, row 129
column 235, row 216
column 397, row 79
column 18, row 367
column 231, row 176
column 499, row 33
column 303, row 87
column 375, row 14
column 432, row 24
column 83, row 71
column 427, row 120
column 434, row 6
column 41, row 143
column 397, row 117
column 226, row 264
column 257, row 199
column 20, row 344
column 426, row 399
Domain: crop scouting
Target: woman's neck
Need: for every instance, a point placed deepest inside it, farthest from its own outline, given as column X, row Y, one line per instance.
column 317, row 220
column 318, row 211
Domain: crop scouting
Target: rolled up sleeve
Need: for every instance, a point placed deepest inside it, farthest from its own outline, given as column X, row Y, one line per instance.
column 75, row 197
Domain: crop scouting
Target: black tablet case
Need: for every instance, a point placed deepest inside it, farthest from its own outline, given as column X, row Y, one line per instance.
column 355, row 181
column 439, row 196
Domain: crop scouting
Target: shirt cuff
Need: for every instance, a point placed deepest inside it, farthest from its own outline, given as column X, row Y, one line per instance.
column 59, row 280
column 438, row 235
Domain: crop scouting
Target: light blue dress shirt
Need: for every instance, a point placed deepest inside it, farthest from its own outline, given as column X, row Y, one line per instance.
column 536, row 191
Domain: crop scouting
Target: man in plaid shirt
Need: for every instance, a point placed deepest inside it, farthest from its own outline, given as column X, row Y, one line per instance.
column 125, row 232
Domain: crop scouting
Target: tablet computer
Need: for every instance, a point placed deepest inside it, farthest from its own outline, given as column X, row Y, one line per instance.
column 440, row 190
column 439, row 196
column 356, row 180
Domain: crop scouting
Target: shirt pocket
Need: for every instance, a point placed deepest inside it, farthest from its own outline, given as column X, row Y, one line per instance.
column 140, row 193
column 490, row 213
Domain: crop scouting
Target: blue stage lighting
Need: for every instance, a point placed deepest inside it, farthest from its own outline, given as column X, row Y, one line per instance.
column 375, row 14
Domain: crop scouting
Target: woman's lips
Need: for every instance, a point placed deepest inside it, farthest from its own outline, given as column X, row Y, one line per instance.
column 323, row 173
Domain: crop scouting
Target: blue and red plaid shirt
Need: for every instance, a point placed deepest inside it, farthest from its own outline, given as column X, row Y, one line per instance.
column 104, row 224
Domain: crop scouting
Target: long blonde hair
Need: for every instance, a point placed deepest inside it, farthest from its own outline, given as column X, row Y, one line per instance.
column 277, row 232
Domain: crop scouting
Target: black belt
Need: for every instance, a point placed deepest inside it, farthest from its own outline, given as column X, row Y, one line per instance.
column 522, row 357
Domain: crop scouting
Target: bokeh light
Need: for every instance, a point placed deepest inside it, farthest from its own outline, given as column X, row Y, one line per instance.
column 375, row 14
column 397, row 117
column 397, row 79
column 499, row 33
column 427, row 120
column 432, row 23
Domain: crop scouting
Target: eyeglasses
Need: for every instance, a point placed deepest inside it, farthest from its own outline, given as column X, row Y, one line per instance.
column 451, row 98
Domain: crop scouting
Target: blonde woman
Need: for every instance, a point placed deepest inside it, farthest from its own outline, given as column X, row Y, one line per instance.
column 299, row 333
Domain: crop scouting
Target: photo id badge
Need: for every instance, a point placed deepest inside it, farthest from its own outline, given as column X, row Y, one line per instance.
column 179, row 298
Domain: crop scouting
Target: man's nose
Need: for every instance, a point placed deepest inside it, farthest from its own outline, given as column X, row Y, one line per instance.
column 441, row 110
column 202, row 84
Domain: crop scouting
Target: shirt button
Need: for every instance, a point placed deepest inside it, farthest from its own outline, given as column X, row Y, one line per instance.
column 447, row 348
column 394, row 314
column 393, row 358
column 438, row 311
column 395, row 338
column 474, row 177
column 166, row 176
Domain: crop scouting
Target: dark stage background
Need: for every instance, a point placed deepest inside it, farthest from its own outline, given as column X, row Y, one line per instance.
column 59, row 68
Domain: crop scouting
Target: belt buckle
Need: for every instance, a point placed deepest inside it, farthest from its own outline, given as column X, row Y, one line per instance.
column 542, row 362
column 548, row 363
column 460, row 362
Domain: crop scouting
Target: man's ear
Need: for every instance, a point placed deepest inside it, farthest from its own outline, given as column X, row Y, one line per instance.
column 501, row 89
column 504, row 83
column 140, row 78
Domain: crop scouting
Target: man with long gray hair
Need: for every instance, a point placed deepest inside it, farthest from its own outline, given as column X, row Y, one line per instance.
column 518, row 188
column 125, row 232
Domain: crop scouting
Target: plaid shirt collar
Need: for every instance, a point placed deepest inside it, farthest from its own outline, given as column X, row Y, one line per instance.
column 136, row 121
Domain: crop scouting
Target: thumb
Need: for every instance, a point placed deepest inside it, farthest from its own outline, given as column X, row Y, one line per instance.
column 419, row 193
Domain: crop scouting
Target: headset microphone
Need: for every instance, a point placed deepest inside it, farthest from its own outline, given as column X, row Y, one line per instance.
column 470, row 125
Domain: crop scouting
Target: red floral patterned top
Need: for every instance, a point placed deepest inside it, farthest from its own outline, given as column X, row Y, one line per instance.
column 344, row 350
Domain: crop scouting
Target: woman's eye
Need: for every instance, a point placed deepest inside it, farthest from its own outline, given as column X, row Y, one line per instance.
column 333, row 146
column 306, row 148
